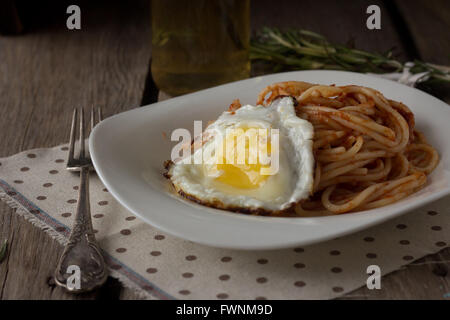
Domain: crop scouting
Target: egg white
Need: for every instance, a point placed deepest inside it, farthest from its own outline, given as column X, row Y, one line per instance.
column 292, row 183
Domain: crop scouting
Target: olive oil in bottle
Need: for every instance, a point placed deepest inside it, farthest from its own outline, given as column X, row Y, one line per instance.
column 198, row 44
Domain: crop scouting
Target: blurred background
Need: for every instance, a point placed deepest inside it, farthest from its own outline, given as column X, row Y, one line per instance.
column 120, row 32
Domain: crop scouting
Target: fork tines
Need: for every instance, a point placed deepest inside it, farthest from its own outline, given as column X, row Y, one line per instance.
column 75, row 163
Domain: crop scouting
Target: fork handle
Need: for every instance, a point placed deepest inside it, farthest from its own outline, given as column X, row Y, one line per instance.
column 82, row 250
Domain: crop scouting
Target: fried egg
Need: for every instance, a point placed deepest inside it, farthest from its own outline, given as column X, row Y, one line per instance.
column 247, row 166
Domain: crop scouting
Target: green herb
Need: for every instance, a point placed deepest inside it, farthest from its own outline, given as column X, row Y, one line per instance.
column 303, row 49
column 3, row 250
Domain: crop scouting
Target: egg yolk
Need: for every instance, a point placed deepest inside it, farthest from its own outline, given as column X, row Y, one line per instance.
column 236, row 169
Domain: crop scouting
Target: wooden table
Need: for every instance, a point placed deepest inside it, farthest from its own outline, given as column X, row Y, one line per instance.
column 48, row 70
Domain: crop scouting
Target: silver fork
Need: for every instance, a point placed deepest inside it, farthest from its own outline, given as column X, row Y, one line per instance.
column 81, row 267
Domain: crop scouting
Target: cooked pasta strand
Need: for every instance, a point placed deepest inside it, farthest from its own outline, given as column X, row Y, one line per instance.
column 367, row 152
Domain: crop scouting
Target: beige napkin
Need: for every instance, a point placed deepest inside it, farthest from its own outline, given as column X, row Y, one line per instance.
column 164, row 267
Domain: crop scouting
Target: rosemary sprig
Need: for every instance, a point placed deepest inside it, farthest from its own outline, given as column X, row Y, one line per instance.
column 303, row 49
column 3, row 250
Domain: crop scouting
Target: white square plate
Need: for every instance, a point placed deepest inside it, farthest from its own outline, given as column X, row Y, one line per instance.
column 128, row 151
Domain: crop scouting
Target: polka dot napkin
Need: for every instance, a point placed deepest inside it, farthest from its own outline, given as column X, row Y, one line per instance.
column 163, row 267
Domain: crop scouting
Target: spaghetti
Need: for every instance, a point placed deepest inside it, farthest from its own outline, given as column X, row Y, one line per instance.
column 366, row 149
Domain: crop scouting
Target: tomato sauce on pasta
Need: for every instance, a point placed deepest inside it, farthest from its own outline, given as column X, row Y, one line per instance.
column 367, row 151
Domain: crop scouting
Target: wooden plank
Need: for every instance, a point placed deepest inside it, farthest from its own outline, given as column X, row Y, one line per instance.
column 43, row 75
column 429, row 25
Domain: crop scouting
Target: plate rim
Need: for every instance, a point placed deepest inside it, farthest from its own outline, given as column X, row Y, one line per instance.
column 130, row 207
